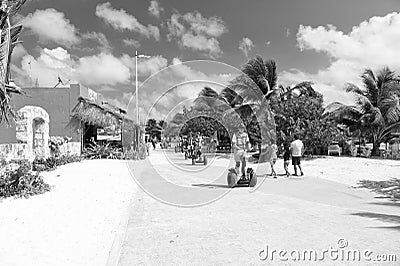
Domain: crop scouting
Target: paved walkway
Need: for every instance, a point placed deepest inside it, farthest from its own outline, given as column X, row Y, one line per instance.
column 292, row 214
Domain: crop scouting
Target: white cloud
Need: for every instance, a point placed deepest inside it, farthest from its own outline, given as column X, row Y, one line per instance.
column 99, row 38
column 18, row 52
column 213, row 26
column 196, row 32
column 372, row 44
column 146, row 66
column 102, row 69
column 287, row 32
column 155, row 9
column 121, row 20
column 201, row 43
column 246, row 45
column 50, row 64
column 51, row 25
column 131, row 43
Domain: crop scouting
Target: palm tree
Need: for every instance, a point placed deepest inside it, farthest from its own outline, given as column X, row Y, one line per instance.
column 284, row 100
column 303, row 88
column 255, row 88
column 258, row 81
column 207, row 100
column 376, row 112
column 215, row 106
column 9, row 39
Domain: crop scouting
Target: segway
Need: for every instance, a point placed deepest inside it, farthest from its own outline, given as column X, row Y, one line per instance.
column 197, row 157
column 249, row 179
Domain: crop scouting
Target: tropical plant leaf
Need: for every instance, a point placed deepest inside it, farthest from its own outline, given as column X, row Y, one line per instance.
column 350, row 87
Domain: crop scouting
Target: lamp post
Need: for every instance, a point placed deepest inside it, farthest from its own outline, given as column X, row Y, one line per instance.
column 137, row 94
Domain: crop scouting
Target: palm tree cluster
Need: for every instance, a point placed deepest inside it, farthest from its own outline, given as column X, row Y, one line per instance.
column 376, row 112
column 248, row 99
column 9, row 39
column 243, row 103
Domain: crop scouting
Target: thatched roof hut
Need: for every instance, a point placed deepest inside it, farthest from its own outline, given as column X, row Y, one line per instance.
column 91, row 113
column 87, row 112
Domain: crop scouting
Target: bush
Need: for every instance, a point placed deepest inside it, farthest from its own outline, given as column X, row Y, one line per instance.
column 98, row 151
column 18, row 180
column 51, row 163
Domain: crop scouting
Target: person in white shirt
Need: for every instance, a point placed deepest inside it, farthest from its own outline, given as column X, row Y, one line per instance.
column 297, row 150
column 240, row 146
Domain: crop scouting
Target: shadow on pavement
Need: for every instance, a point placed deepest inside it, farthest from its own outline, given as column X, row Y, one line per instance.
column 211, row 185
column 388, row 188
column 217, row 185
column 382, row 217
column 392, row 203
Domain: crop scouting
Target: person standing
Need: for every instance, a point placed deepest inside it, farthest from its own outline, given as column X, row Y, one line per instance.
column 297, row 150
column 240, row 146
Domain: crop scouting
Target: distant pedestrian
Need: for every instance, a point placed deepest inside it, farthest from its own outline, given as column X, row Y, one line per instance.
column 297, row 150
column 148, row 143
column 286, row 159
column 274, row 157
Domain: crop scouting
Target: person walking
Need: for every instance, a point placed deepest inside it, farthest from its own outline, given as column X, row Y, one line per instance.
column 297, row 150
column 286, row 158
column 274, row 157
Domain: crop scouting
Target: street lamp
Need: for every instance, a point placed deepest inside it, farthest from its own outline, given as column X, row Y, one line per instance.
column 137, row 94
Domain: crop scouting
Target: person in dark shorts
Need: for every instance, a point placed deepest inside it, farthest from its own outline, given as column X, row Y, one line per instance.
column 286, row 159
column 297, row 150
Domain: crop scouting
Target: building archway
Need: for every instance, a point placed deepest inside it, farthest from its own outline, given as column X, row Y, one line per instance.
column 33, row 128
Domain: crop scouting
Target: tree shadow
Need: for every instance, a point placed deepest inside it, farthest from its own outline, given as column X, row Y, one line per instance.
column 389, row 203
column 382, row 217
column 217, row 185
column 388, row 188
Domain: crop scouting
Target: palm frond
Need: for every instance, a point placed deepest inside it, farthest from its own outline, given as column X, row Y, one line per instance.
column 385, row 75
column 352, row 88
column 15, row 5
column 208, row 92
column 364, row 103
column 246, row 89
column 272, row 75
column 371, row 86
column 391, row 108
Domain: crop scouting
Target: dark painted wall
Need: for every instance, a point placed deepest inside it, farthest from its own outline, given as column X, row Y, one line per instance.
column 58, row 102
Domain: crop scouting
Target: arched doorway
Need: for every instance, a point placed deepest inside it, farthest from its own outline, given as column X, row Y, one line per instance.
column 32, row 127
column 38, row 130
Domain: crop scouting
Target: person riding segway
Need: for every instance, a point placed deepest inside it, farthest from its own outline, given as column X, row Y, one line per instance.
column 240, row 147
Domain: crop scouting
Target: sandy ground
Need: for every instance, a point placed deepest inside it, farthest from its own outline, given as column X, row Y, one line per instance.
column 350, row 170
column 73, row 224
column 312, row 212
column 77, row 222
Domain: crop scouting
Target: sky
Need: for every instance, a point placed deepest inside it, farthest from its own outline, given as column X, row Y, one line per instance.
column 93, row 42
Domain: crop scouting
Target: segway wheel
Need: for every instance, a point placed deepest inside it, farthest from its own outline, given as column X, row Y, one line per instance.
column 232, row 179
column 193, row 161
column 186, row 156
column 253, row 179
column 205, row 160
